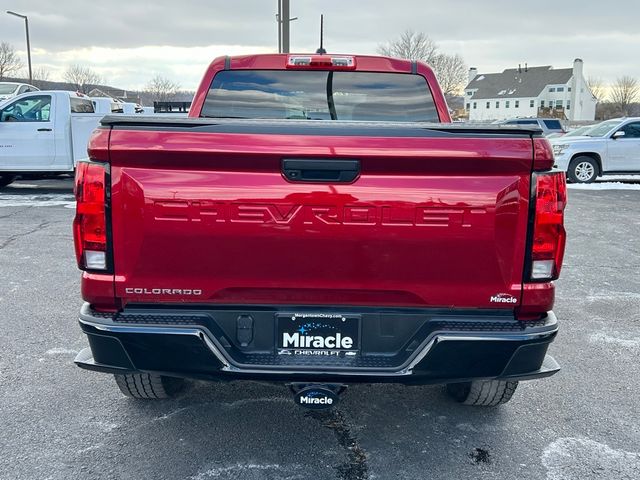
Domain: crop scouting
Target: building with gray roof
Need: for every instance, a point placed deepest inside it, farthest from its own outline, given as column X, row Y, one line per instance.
column 530, row 92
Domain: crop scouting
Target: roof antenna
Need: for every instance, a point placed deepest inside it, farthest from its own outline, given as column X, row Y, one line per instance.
column 321, row 50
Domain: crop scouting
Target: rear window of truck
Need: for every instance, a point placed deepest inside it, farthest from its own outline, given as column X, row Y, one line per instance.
column 81, row 105
column 320, row 95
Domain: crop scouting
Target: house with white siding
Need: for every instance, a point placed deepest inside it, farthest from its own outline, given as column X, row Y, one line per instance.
column 530, row 92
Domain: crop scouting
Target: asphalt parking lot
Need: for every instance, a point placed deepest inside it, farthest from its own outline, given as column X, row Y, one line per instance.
column 59, row 422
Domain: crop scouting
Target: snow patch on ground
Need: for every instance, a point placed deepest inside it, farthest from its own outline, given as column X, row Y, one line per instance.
column 56, row 200
column 61, row 351
column 572, row 458
column 599, row 337
column 467, row 427
column 251, row 471
column 248, row 401
column 171, row 414
column 595, row 297
column 605, row 186
column 618, row 178
column 107, row 427
column 91, row 448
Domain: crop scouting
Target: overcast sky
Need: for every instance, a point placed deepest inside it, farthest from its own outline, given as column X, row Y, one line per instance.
column 127, row 42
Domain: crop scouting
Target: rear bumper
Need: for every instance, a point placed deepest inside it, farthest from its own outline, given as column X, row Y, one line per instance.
column 443, row 348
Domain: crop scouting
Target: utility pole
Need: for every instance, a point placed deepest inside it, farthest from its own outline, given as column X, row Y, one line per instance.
column 26, row 25
column 279, row 20
column 283, row 19
column 285, row 26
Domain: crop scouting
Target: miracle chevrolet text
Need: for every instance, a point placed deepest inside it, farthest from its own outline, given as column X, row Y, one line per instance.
column 319, row 221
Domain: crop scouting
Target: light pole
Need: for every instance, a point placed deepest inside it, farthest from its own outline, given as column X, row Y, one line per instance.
column 279, row 20
column 283, row 19
column 26, row 26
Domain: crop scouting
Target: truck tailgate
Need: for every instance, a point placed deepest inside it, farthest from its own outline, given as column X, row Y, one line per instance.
column 205, row 215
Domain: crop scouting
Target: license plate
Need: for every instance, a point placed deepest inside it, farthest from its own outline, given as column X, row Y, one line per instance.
column 321, row 332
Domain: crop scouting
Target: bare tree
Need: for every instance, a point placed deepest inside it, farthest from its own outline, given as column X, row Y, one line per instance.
column 40, row 75
column 597, row 87
column 606, row 110
column 450, row 70
column 84, row 78
column 162, row 89
column 9, row 61
column 411, row 45
column 624, row 92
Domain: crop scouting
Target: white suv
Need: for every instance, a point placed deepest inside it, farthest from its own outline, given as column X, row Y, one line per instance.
column 608, row 148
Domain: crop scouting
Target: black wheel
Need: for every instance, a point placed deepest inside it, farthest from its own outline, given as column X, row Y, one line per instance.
column 148, row 386
column 485, row 393
column 583, row 170
column 6, row 179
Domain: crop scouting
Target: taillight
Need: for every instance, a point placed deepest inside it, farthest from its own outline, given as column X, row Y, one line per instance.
column 90, row 223
column 328, row 62
column 549, row 236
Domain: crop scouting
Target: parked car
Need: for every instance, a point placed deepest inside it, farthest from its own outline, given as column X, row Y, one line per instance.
column 44, row 132
column 256, row 241
column 108, row 105
column 548, row 125
column 578, row 132
column 12, row 89
column 608, row 148
column 130, row 108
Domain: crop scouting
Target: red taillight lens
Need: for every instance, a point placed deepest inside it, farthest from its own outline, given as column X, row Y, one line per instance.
column 549, row 235
column 90, row 224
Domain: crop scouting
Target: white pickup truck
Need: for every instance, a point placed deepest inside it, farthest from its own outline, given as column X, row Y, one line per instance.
column 608, row 148
column 109, row 106
column 45, row 132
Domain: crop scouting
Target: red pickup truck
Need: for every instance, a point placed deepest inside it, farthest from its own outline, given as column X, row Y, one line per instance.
column 319, row 221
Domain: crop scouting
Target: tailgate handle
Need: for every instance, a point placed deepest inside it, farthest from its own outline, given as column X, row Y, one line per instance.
column 320, row 170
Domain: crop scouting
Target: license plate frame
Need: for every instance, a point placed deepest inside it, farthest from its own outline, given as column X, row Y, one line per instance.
column 339, row 333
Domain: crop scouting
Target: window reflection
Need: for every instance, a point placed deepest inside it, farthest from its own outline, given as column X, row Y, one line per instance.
column 320, row 95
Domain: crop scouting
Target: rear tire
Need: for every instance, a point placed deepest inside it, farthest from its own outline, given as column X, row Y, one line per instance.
column 484, row 393
column 148, row 386
column 583, row 169
column 6, row 180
